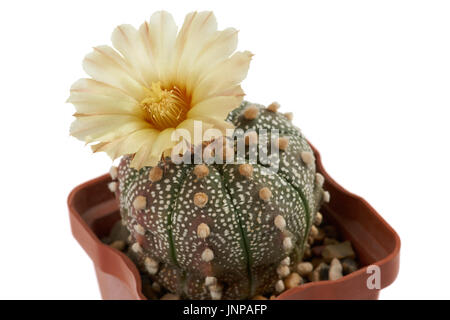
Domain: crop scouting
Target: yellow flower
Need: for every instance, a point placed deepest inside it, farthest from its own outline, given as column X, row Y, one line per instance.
column 155, row 81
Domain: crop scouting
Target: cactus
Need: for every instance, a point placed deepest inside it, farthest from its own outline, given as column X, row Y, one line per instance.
column 223, row 231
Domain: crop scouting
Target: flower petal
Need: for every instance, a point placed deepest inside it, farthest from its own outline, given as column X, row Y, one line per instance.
column 225, row 75
column 219, row 47
column 93, row 97
column 106, row 65
column 197, row 30
column 196, row 129
column 129, row 144
column 130, row 43
column 218, row 107
column 150, row 154
column 105, row 128
column 159, row 38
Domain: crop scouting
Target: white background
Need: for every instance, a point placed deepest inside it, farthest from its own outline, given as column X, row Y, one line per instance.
column 368, row 81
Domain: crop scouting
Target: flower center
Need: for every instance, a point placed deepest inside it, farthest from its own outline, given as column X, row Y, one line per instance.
column 165, row 108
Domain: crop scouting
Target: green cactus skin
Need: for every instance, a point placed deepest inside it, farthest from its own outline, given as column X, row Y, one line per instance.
column 244, row 245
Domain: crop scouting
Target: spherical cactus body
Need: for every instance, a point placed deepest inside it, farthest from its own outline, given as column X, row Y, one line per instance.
column 224, row 231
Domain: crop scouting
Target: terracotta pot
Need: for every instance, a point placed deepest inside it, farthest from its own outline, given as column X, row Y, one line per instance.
column 93, row 211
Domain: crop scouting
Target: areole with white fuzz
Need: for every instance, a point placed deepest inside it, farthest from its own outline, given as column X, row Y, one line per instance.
column 203, row 231
column 112, row 186
column 201, row 171
column 207, row 255
column 265, row 194
column 136, row 247
column 209, row 281
column 320, row 179
column 200, row 199
column 280, row 222
column 216, row 291
column 140, row 203
column 273, row 107
column 287, row 243
column 155, row 174
column 307, row 157
column 139, row 229
column 282, row 143
column 151, row 265
column 246, row 170
column 251, row 112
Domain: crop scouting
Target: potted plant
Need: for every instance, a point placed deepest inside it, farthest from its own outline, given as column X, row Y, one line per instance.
column 214, row 197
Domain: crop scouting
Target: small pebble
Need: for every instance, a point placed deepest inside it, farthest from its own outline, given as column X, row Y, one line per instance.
column 349, row 265
column 292, row 280
column 330, row 231
column 340, row 251
column 318, row 219
column 170, row 296
column 156, row 287
column 314, row 232
column 316, row 261
column 326, row 196
column 320, row 272
column 286, row 261
column 279, row 286
column 304, row 268
column 283, row 271
column 317, row 250
column 335, row 271
column 328, row 241
column 118, row 244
